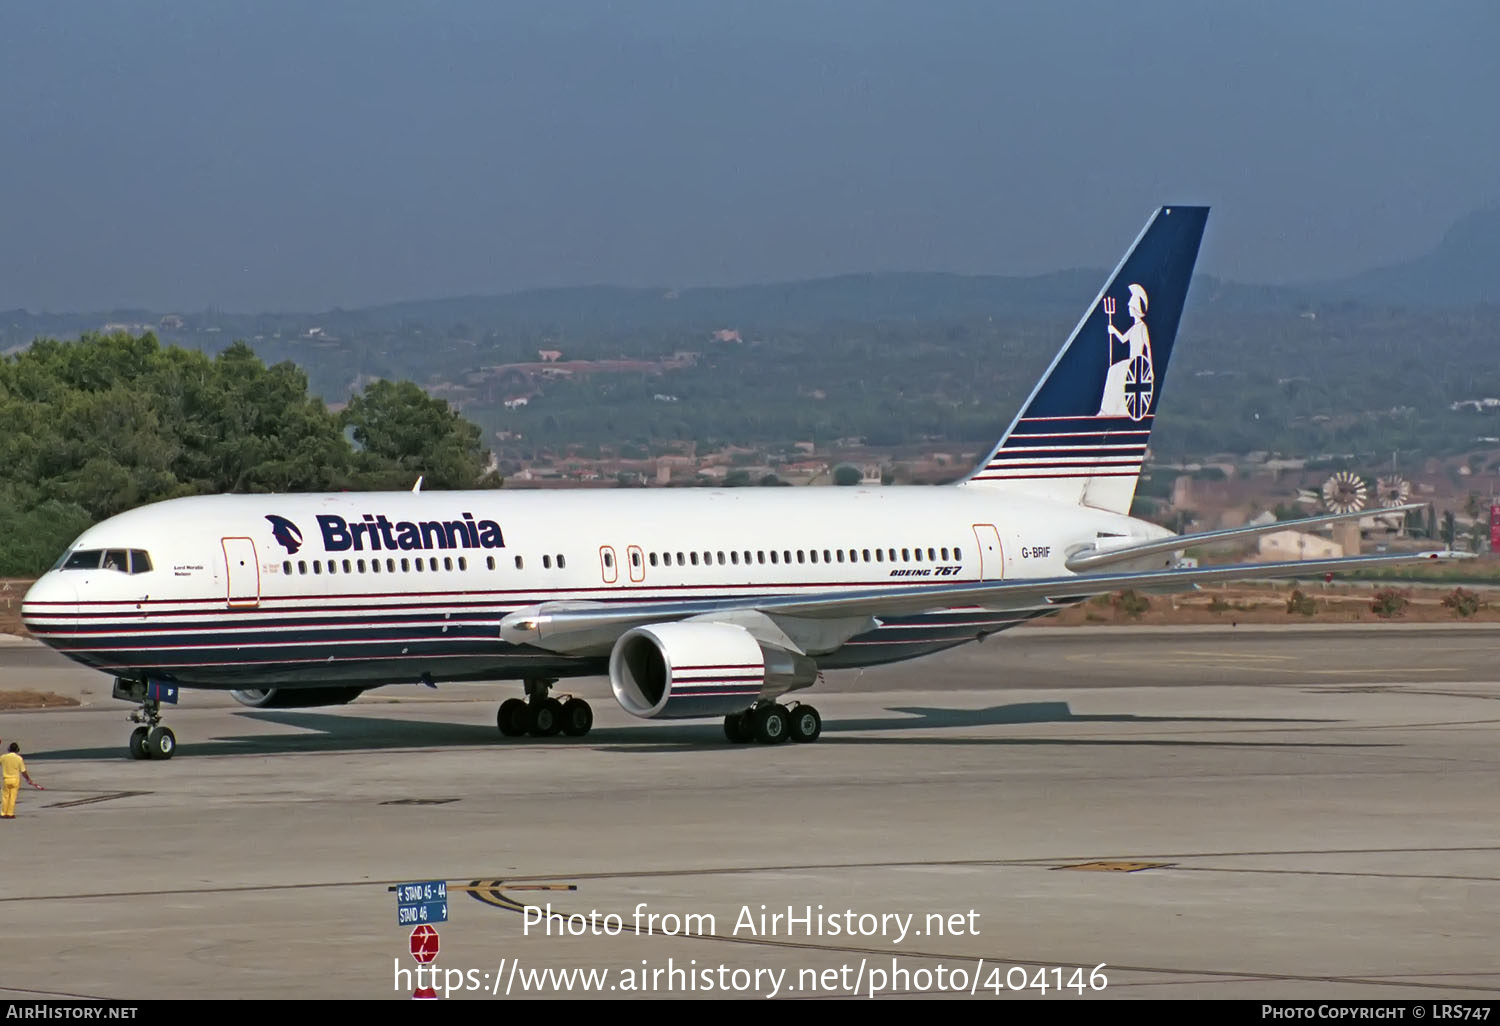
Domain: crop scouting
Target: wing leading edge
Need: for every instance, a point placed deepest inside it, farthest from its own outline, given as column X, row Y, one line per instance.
column 584, row 628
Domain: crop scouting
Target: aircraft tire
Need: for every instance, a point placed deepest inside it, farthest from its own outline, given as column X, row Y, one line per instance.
column 161, row 742
column 513, row 717
column 546, row 718
column 770, row 724
column 804, row 724
column 138, row 749
column 577, row 717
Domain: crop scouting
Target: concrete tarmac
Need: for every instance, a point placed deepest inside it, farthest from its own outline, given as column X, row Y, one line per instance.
column 1196, row 813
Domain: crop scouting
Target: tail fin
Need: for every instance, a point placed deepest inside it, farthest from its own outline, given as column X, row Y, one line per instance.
column 1081, row 435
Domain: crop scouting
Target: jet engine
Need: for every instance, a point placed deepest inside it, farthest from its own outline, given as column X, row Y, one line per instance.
column 696, row 670
column 295, row 698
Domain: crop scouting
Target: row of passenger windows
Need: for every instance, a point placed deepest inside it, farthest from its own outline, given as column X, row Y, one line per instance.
column 420, row 564
column 432, row 564
column 761, row 556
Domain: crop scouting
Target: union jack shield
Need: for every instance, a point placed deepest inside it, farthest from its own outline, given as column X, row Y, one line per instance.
column 1138, row 387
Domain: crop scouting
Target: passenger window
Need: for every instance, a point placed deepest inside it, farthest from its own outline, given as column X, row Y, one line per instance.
column 867, row 555
column 841, row 555
column 463, row 564
column 958, row 555
column 317, row 566
column 879, row 555
column 635, row 559
column 945, row 554
column 826, row 557
column 361, row 565
column 609, row 560
column 489, row 562
column 333, row 566
column 786, row 555
column 390, row 566
column 695, row 558
column 760, row 557
column 405, row 566
column 708, row 559
column 447, row 562
column 546, row 562
column 417, row 561
column 905, row 555
column 520, row 563
column 932, row 554
column 813, row 555
column 374, row 566
column 801, row 556
column 721, row 559
column 918, row 554
column 561, row 562
column 747, row 557
column 734, row 558
column 773, row 555
column 286, row 567
column 681, row 559
column 653, row 559
column 893, row 554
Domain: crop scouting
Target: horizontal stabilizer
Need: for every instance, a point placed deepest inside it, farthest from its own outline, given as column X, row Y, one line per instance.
column 1102, row 554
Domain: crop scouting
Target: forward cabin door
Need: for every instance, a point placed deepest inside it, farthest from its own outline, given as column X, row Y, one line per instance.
column 991, row 558
column 242, row 571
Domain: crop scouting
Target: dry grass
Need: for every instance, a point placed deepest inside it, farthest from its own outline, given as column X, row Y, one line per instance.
column 12, row 590
column 13, row 700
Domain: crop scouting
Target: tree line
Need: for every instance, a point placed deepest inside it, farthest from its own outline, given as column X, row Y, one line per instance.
column 92, row 427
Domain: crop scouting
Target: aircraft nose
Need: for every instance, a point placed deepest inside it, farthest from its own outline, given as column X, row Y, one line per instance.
column 52, row 602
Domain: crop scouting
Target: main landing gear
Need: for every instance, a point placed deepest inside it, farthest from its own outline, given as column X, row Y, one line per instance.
column 771, row 723
column 542, row 716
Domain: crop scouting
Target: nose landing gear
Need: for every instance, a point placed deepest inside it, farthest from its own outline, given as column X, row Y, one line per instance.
column 152, row 739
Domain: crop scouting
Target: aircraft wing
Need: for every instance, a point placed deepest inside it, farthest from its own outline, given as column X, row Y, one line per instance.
column 586, row 628
column 1106, row 552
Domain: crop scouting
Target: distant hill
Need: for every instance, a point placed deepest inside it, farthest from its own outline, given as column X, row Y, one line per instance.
column 1464, row 270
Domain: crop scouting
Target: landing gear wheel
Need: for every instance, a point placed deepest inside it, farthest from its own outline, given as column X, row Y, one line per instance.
column 161, row 742
column 513, row 719
column 769, row 724
column 546, row 718
column 804, row 723
column 737, row 727
column 577, row 717
column 138, row 749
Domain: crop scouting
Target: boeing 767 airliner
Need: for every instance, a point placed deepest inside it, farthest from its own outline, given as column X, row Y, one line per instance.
column 695, row 603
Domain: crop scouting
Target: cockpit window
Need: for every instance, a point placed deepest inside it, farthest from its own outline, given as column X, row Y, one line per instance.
column 125, row 561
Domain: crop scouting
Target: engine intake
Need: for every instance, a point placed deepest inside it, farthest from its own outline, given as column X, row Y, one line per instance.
column 696, row 670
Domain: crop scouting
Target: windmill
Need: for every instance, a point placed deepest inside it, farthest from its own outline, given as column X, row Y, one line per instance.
column 1344, row 492
column 1392, row 491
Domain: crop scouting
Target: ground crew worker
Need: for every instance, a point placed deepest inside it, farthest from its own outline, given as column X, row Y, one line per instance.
column 12, row 769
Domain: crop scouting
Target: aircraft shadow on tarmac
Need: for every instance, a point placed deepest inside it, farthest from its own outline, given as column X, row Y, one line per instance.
column 322, row 732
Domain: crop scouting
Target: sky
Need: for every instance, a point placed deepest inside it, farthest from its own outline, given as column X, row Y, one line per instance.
column 278, row 155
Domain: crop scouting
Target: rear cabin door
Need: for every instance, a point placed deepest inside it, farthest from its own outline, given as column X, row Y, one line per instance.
column 242, row 571
column 991, row 558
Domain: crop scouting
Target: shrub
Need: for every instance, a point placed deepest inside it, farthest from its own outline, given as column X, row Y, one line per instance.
column 1388, row 602
column 1130, row 603
column 1463, row 602
column 1217, row 604
column 1300, row 603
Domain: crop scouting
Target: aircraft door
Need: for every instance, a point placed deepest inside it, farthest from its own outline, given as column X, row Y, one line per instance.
column 609, row 567
column 243, row 572
column 991, row 555
column 637, row 564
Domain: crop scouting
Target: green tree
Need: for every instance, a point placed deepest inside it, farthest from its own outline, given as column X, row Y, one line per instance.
column 844, row 474
column 403, row 432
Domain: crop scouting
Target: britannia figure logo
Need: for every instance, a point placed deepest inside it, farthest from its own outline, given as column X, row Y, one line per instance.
column 1129, row 383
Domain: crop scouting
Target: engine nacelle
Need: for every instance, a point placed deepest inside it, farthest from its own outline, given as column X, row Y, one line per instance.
column 695, row 670
column 295, row 698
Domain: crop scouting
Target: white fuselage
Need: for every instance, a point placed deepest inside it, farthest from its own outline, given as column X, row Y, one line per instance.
column 418, row 590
